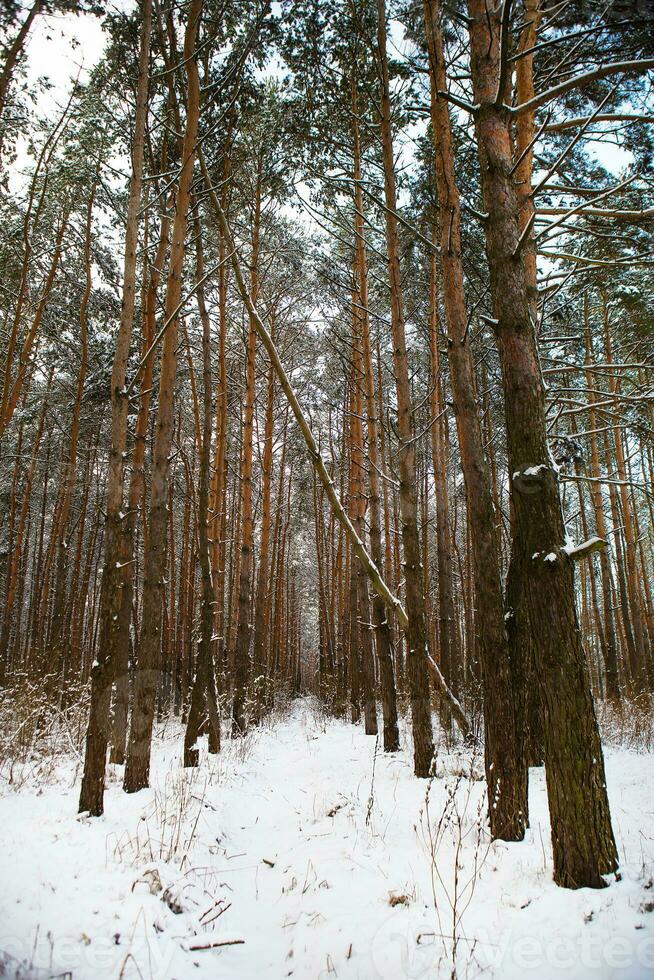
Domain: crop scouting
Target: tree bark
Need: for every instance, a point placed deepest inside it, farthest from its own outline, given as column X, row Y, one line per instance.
column 203, row 695
column 243, row 628
column 541, row 592
column 102, row 674
column 391, row 601
column 146, row 679
column 506, row 771
column 383, row 633
column 416, row 657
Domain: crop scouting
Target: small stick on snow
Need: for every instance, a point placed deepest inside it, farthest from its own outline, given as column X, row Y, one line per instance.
column 223, row 942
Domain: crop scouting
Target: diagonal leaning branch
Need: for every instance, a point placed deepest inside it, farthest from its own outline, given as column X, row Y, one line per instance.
column 392, row 602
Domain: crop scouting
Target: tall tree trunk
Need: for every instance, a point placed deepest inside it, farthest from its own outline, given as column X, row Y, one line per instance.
column 243, row 629
column 361, row 646
column 135, row 506
column 379, row 617
column 102, row 675
column 203, row 696
column 261, row 607
column 540, row 592
column 218, row 499
column 416, row 657
column 447, row 631
column 641, row 641
column 611, row 675
column 59, row 636
column 137, row 766
column 16, row 553
column 506, row 771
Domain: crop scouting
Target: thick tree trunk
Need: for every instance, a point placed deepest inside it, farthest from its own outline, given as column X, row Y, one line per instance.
column 542, row 586
column 135, row 505
column 102, row 675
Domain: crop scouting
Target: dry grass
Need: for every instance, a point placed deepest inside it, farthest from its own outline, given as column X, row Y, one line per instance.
column 38, row 730
column 629, row 724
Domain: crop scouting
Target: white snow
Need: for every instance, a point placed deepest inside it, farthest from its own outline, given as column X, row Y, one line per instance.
column 288, row 843
column 572, row 549
column 531, row 470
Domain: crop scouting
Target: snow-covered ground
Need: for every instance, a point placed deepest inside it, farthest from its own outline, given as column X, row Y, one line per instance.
column 308, row 853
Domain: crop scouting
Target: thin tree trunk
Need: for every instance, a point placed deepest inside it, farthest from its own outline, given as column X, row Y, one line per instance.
column 261, row 607
column 393, row 604
column 59, row 636
column 417, row 656
column 447, row 632
column 506, row 771
column 243, row 629
column 137, row 766
column 637, row 620
column 203, row 695
column 611, row 676
column 380, row 620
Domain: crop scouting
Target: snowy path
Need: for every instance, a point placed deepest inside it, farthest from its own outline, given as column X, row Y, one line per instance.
column 286, row 844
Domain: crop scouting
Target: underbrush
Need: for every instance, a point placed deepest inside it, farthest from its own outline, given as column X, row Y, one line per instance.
column 41, row 729
column 627, row 724
column 38, row 730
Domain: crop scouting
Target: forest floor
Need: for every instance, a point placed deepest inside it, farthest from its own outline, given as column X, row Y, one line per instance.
column 310, row 854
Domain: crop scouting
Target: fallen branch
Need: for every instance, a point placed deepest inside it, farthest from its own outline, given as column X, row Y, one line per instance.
column 215, row 945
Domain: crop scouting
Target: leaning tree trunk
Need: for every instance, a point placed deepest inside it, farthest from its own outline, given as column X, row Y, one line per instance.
column 506, row 771
column 12, row 56
column 391, row 601
column 146, row 679
column 541, row 578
